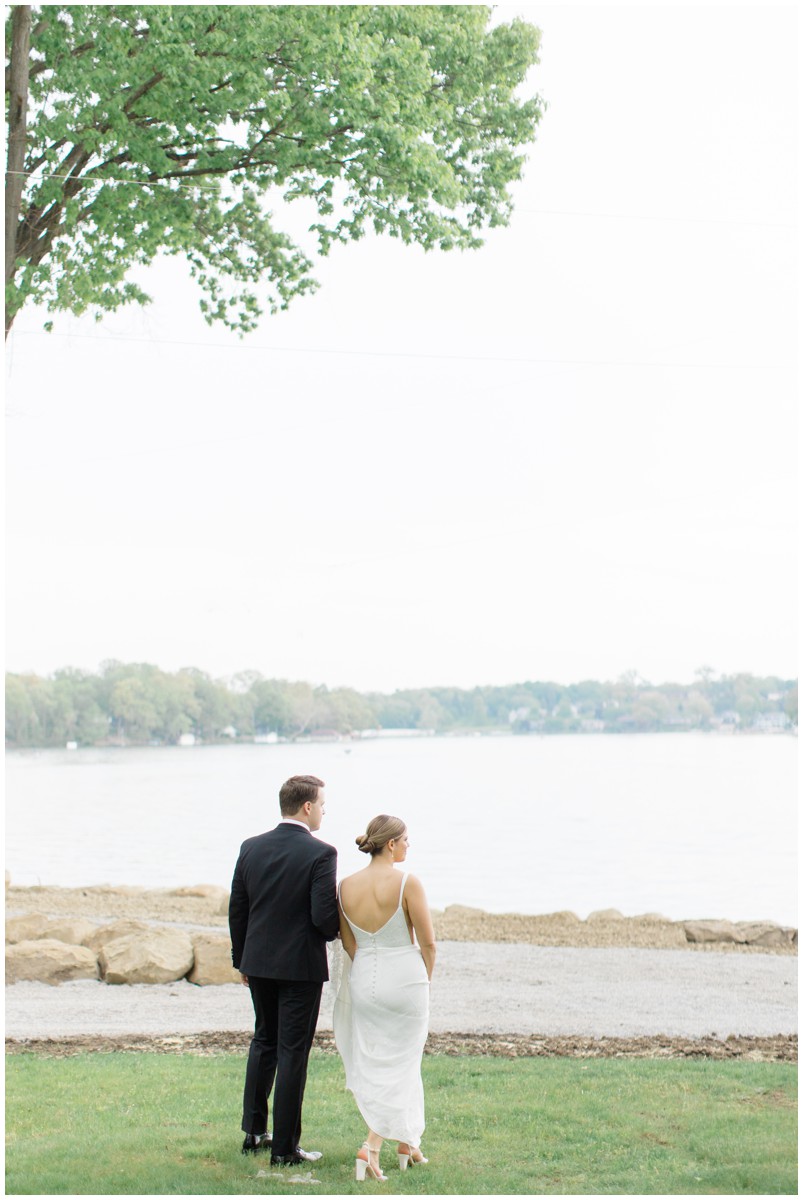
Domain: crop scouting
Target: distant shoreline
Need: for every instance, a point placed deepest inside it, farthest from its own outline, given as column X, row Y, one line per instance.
column 356, row 739
column 76, row 707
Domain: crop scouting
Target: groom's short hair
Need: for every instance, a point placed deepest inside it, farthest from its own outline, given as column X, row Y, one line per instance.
column 297, row 791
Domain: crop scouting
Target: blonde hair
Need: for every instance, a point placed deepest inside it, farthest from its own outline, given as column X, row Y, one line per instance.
column 379, row 832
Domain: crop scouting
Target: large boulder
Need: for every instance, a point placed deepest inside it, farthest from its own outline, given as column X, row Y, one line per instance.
column 605, row 914
column 101, row 935
column 711, row 931
column 763, row 933
column 156, row 956
column 74, row 930
column 47, row 960
column 26, row 927
column 746, row 933
column 212, row 961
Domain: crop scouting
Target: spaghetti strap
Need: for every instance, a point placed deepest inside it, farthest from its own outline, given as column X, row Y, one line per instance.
column 401, row 890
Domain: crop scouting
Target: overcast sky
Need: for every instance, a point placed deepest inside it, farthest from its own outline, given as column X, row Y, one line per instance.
column 566, row 455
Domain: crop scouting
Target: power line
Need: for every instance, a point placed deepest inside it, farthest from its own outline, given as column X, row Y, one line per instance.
column 557, row 212
column 113, row 179
column 173, row 184
column 477, row 358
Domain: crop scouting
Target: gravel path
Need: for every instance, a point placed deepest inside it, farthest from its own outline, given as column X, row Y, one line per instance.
column 478, row 988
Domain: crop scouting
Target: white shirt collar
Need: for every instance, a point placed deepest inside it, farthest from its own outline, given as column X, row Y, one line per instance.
column 290, row 821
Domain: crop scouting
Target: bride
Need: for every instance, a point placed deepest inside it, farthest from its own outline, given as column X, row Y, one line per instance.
column 382, row 1008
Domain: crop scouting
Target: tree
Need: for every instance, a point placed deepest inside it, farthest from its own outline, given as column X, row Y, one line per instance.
column 76, row 704
column 790, row 704
column 133, row 708
column 168, row 128
column 343, row 709
column 650, row 709
column 22, row 723
column 271, row 706
column 199, row 702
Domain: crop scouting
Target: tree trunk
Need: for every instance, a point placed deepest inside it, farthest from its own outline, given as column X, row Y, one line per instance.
column 17, row 123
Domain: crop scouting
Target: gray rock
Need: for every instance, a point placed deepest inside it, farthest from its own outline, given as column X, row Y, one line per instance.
column 26, row 927
column 212, row 961
column 747, row 933
column 157, row 956
column 103, row 934
column 47, row 960
column 711, row 931
column 762, row 933
column 74, row 930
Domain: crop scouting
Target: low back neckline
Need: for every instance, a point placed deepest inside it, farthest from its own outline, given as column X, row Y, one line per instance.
column 372, row 932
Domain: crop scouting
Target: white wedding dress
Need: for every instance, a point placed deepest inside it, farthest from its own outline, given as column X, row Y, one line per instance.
column 380, row 1023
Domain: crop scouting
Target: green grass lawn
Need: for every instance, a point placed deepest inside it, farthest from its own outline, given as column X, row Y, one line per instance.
column 164, row 1124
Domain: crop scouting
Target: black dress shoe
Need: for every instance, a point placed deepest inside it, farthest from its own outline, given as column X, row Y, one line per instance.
column 286, row 1160
column 254, row 1142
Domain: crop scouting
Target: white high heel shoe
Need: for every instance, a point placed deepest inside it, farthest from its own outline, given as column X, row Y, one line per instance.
column 363, row 1165
column 407, row 1159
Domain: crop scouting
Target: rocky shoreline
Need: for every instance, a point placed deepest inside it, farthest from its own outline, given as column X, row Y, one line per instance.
column 203, row 907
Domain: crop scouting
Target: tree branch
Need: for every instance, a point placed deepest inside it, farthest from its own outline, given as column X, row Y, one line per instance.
column 38, row 220
column 141, row 91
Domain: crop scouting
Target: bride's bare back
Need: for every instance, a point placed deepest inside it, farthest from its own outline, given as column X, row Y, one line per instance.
column 371, row 897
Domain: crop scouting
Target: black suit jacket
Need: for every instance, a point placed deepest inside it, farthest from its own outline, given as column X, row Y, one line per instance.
column 283, row 906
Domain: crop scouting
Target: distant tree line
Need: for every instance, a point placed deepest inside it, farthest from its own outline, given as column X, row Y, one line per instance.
column 136, row 703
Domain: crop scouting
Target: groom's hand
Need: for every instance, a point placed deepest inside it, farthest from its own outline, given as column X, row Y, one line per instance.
column 243, row 979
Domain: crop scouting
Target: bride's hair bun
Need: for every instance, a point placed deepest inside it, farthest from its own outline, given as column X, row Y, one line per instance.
column 379, row 833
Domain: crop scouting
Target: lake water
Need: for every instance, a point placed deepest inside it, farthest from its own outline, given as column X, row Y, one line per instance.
column 688, row 825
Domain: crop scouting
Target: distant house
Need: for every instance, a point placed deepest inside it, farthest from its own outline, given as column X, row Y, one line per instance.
column 771, row 722
column 591, row 725
column 187, row 739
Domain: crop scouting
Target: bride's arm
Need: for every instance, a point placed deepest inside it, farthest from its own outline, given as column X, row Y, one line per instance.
column 415, row 901
column 347, row 937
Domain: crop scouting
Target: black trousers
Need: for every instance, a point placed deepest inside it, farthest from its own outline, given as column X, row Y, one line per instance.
column 286, row 1014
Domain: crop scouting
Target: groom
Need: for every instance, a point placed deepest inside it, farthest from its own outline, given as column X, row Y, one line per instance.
column 282, row 912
